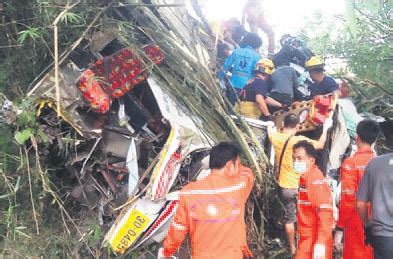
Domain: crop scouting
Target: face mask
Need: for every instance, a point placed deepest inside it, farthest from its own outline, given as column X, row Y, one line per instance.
column 300, row 166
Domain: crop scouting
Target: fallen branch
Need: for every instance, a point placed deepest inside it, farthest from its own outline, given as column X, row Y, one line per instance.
column 82, row 173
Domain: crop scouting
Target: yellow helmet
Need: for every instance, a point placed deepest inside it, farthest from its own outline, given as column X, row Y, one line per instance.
column 265, row 65
column 315, row 62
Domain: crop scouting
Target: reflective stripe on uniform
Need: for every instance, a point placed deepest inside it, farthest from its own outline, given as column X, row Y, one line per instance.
column 304, row 202
column 179, row 226
column 320, row 181
column 326, row 206
column 347, row 191
column 216, row 191
column 351, row 168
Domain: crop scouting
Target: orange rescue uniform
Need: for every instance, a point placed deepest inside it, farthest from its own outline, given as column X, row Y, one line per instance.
column 352, row 171
column 315, row 214
column 211, row 211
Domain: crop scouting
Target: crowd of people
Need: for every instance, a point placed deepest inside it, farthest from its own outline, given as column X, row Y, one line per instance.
column 212, row 210
column 260, row 86
column 305, row 192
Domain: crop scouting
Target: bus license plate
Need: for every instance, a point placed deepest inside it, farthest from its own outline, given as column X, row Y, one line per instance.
column 131, row 230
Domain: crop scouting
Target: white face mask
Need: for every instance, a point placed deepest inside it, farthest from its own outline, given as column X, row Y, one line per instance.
column 300, row 166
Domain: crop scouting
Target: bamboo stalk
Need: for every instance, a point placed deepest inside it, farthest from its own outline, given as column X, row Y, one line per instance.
column 47, row 188
column 31, row 191
column 56, row 50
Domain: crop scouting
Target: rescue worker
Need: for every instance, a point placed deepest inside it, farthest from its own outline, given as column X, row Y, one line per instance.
column 252, row 97
column 315, row 206
column 284, row 81
column 211, row 210
column 253, row 13
column 241, row 64
column 288, row 179
column 352, row 171
column 323, row 84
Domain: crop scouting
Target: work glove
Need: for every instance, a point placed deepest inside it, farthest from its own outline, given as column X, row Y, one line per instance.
column 328, row 124
column 338, row 236
column 319, row 251
column 247, row 252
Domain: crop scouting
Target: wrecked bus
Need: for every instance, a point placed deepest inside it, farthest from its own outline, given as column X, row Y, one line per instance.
column 135, row 142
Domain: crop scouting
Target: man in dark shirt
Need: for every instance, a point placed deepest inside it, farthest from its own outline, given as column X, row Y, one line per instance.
column 284, row 81
column 259, row 86
column 376, row 187
column 252, row 96
column 326, row 86
column 323, row 84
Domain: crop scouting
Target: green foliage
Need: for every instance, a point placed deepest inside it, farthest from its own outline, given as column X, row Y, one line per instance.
column 12, row 184
column 70, row 17
column 26, row 40
column 321, row 33
column 26, row 37
column 369, row 52
column 94, row 235
column 22, row 136
column 29, row 33
column 363, row 41
column 27, row 125
column 17, row 224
